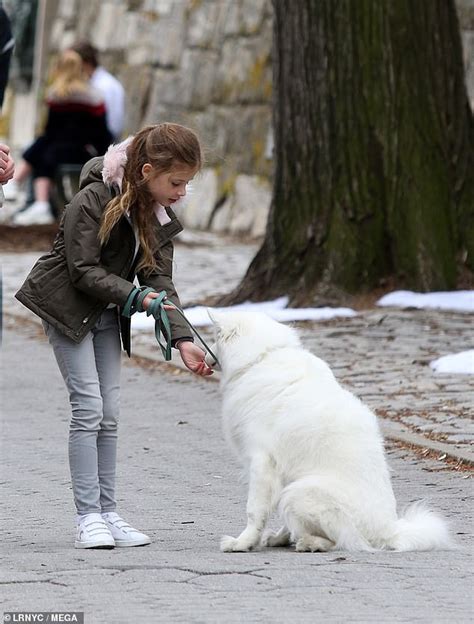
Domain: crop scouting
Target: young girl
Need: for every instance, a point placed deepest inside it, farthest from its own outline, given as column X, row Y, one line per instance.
column 119, row 225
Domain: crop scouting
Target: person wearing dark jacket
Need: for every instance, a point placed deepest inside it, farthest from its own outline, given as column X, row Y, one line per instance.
column 75, row 131
column 7, row 165
column 7, row 44
column 120, row 225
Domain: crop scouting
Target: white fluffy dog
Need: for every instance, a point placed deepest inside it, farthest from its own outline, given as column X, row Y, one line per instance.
column 308, row 446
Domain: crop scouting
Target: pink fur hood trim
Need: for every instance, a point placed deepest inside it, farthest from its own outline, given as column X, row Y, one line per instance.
column 115, row 160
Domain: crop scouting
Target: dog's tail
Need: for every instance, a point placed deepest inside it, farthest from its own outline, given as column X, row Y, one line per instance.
column 420, row 529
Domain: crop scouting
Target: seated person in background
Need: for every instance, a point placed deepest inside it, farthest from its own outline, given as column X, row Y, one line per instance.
column 111, row 89
column 75, row 131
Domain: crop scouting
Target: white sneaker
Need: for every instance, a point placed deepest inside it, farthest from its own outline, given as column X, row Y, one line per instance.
column 11, row 190
column 123, row 534
column 38, row 213
column 93, row 532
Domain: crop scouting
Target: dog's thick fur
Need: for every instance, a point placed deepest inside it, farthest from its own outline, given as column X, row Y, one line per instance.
column 309, row 447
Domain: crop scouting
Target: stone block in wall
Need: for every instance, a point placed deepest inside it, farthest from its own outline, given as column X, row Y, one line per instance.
column 246, row 130
column 246, row 210
column 168, row 100
column 211, row 134
column 232, row 19
column 244, row 72
column 235, row 137
column 162, row 113
column 57, row 34
column 165, row 93
column 107, row 32
column 206, row 23
column 159, row 7
column 68, row 40
column 197, row 77
column 222, row 216
column 169, row 34
column 468, row 52
column 245, row 17
column 67, row 10
column 137, row 84
column 252, row 15
column 465, row 11
column 138, row 38
column 200, row 202
column 86, row 18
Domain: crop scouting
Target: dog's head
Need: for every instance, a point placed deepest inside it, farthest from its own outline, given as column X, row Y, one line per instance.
column 243, row 337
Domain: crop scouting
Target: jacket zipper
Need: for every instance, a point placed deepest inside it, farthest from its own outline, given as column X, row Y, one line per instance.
column 128, row 265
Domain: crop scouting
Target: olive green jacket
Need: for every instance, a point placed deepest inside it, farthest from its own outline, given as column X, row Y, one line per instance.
column 73, row 284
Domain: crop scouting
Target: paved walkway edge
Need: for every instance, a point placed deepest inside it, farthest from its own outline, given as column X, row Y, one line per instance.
column 395, row 431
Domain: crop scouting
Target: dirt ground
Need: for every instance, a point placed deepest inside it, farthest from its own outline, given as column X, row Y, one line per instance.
column 27, row 238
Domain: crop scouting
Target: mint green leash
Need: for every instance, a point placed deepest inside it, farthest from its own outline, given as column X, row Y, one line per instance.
column 134, row 304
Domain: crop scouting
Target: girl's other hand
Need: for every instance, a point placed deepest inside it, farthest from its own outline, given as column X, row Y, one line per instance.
column 153, row 295
column 193, row 358
column 148, row 299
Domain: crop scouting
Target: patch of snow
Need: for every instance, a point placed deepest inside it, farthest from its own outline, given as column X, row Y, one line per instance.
column 457, row 300
column 460, row 363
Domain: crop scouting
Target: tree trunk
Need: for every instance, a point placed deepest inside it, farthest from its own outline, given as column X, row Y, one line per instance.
column 373, row 150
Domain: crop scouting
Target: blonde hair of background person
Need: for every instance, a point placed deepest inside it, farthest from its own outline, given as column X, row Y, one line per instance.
column 119, row 226
column 68, row 75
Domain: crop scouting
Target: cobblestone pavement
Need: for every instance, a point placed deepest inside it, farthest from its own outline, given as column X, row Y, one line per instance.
column 382, row 355
column 178, row 483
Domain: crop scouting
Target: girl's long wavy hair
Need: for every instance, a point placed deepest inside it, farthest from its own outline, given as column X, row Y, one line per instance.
column 165, row 146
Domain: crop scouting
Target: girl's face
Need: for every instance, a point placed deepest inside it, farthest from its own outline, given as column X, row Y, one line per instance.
column 166, row 188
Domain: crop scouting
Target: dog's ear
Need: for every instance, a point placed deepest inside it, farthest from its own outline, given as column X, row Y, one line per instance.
column 226, row 324
column 214, row 315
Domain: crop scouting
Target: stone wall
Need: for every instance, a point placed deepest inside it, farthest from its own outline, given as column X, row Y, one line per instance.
column 204, row 63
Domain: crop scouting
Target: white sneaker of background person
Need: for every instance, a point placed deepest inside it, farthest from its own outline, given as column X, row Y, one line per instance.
column 37, row 214
column 124, row 534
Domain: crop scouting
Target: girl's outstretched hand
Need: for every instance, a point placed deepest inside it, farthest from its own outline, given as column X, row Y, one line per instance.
column 193, row 358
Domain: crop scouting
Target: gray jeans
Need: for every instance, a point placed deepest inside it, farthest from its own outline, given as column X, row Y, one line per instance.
column 91, row 371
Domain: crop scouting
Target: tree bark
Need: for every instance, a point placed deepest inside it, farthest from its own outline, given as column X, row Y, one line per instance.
column 373, row 150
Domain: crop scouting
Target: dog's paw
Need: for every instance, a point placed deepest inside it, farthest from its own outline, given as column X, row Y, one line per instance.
column 233, row 544
column 311, row 543
column 273, row 538
column 227, row 543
